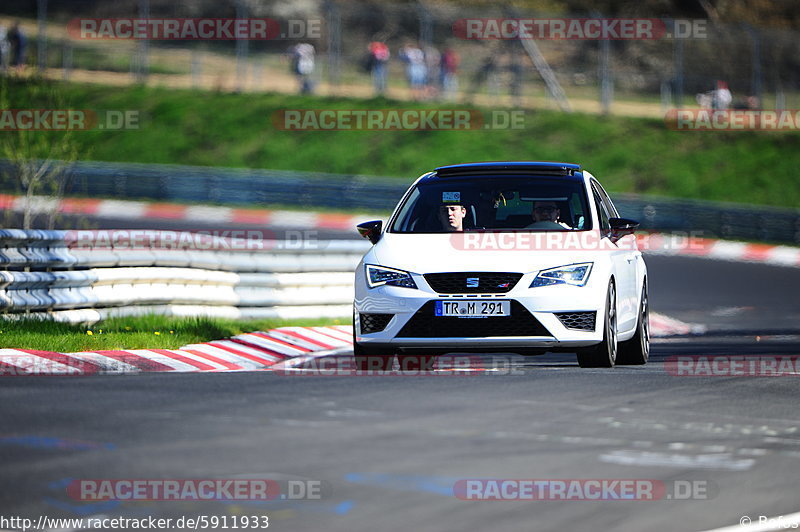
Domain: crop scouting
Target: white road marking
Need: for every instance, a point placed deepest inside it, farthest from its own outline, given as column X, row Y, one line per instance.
column 721, row 461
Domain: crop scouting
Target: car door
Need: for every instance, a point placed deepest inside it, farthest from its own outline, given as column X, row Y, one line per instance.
column 623, row 256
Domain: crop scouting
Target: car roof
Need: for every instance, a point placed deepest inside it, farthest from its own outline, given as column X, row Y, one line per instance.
column 568, row 171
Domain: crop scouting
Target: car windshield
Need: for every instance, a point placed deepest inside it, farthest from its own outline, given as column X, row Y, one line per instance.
column 497, row 204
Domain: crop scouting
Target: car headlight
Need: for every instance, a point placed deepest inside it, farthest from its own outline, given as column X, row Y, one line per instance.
column 379, row 276
column 573, row 274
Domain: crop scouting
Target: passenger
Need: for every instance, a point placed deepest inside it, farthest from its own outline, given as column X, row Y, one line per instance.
column 545, row 216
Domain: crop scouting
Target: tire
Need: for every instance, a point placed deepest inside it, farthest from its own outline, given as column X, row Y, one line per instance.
column 604, row 354
column 636, row 351
column 371, row 359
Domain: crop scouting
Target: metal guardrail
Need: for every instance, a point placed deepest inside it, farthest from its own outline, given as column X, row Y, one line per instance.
column 60, row 275
column 355, row 192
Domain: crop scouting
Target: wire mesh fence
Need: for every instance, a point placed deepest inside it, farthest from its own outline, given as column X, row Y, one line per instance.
column 427, row 52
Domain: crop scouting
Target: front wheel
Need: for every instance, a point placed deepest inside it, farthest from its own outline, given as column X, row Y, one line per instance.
column 604, row 354
column 636, row 351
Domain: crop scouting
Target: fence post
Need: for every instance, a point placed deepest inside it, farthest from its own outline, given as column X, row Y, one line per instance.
column 41, row 14
column 241, row 50
column 666, row 96
column 677, row 60
column 606, row 82
column 196, row 68
column 142, row 48
column 67, row 58
column 334, row 44
column 756, row 82
column 425, row 25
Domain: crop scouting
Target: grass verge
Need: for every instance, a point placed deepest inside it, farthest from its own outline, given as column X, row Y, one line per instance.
column 140, row 332
column 638, row 155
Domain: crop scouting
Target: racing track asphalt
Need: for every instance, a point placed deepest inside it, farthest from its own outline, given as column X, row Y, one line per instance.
column 389, row 449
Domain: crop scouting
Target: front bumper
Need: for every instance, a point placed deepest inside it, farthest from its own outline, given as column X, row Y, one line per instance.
column 408, row 307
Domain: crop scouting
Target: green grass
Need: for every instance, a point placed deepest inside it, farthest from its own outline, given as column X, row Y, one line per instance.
column 142, row 332
column 628, row 154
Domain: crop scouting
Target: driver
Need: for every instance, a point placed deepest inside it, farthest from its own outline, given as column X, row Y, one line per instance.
column 545, row 216
column 451, row 215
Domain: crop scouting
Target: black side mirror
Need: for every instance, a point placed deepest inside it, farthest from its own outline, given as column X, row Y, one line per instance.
column 371, row 230
column 621, row 227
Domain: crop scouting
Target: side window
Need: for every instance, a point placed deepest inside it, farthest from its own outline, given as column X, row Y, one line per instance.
column 602, row 212
column 612, row 211
column 404, row 221
column 580, row 213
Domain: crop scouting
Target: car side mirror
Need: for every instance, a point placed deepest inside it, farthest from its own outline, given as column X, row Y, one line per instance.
column 371, row 230
column 622, row 227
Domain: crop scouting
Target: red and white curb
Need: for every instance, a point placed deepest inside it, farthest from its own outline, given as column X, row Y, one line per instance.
column 286, row 346
column 245, row 352
column 653, row 243
column 664, row 244
column 661, row 326
column 138, row 210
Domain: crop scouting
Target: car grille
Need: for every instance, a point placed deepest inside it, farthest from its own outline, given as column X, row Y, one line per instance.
column 372, row 323
column 579, row 321
column 424, row 324
column 488, row 282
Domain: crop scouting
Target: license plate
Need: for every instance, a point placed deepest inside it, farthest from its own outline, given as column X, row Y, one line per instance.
column 473, row 309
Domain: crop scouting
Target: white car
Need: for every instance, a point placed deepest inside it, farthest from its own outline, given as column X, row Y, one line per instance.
column 513, row 257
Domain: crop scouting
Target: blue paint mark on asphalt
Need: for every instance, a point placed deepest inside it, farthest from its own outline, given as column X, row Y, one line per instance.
column 77, row 507
column 305, row 505
column 437, row 485
column 82, row 509
column 42, row 442
column 344, row 507
column 60, row 484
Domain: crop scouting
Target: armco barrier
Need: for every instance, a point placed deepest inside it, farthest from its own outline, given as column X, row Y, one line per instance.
column 64, row 275
column 238, row 186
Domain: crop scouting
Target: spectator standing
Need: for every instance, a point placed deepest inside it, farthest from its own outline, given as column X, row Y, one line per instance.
column 19, row 43
column 449, row 73
column 379, row 55
column 416, row 72
column 5, row 49
column 303, row 66
column 721, row 98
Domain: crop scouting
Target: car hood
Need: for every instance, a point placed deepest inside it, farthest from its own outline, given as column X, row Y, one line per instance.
column 497, row 252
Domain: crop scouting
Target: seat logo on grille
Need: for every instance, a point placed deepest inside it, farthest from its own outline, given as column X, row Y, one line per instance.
column 472, row 282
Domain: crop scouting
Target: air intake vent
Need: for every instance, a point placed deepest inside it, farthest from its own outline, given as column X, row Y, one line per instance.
column 577, row 321
column 372, row 323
